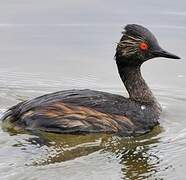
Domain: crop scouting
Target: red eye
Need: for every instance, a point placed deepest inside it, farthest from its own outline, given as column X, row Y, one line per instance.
column 143, row 46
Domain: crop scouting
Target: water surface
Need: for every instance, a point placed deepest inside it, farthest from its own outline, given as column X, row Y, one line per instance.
column 47, row 46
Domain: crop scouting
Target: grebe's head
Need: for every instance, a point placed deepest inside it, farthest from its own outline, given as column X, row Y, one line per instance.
column 138, row 45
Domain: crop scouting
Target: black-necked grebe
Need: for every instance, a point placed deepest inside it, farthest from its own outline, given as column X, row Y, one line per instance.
column 88, row 111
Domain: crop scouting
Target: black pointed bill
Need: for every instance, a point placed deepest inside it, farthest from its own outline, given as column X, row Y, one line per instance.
column 163, row 53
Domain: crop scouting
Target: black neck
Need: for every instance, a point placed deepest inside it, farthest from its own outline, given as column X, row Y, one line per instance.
column 135, row 84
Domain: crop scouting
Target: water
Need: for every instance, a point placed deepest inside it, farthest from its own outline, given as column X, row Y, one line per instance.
column 46, row 46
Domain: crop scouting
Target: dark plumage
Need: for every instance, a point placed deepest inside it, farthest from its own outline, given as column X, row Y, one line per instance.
column 88, row 111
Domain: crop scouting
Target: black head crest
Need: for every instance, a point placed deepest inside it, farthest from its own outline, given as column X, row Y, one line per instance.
column 138, row 31
column 133, row 36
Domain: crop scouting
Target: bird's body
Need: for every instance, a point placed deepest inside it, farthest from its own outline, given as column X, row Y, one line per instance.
column 84, row 111
column 88, row 111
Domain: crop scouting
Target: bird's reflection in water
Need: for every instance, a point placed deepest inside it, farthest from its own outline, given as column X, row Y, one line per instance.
column 136, row 155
